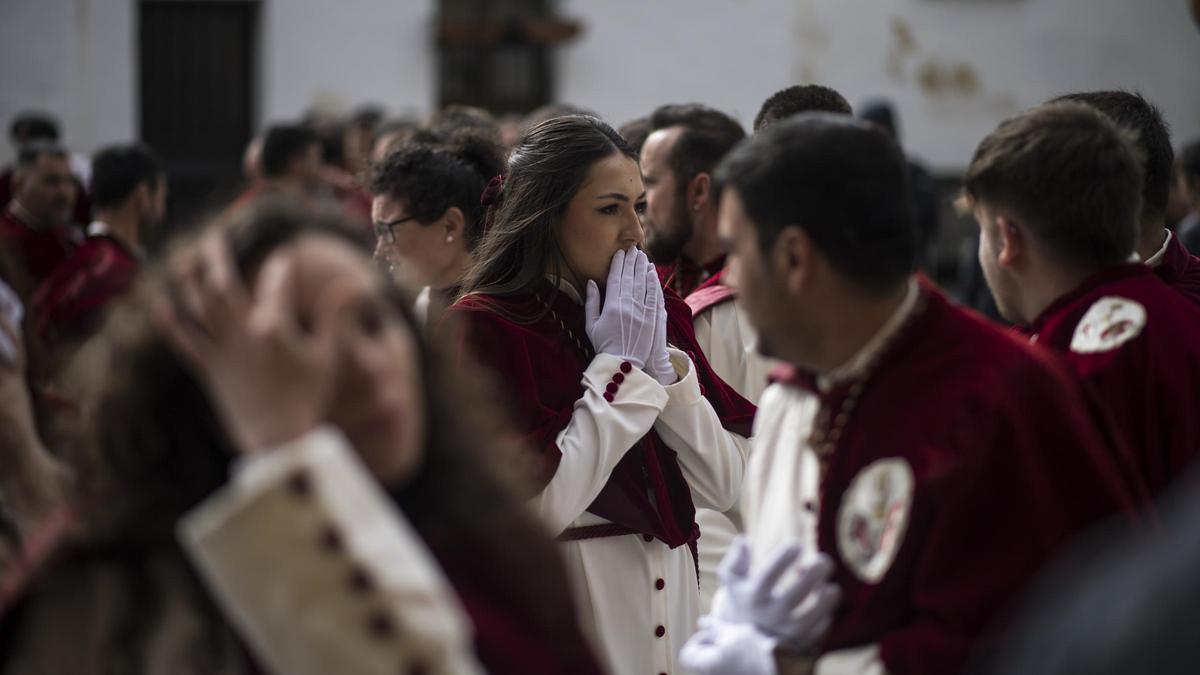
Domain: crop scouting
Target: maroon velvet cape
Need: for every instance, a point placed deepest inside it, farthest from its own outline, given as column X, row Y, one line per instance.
column 684, row 275
column 1181, row 271
column 72, row 299
column 1150, row 385
column 542, row 369
column 1008, row 464
column 36, row 253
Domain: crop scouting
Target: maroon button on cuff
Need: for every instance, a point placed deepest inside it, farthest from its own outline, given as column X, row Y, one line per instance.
column 608, row 397
column 612, row 387
column 647, row 538
column 626, row 367
column 660, row 631
column 330, row 540
column 618, row 378
column 299, row 484
column 659, row 585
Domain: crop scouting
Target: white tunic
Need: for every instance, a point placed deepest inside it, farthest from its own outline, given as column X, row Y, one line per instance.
column 638, row 599
column 731, row 345
column 262, row 546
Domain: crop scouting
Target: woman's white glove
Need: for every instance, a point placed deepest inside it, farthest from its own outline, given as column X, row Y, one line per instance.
column 625, row 327
column 721, row 648
column 659, row 366
column 797, row 613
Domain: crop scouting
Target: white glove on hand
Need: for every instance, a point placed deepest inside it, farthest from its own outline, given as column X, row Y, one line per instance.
column 720, row 648
column 625, row 328
column 798, row 614
column 659, row 366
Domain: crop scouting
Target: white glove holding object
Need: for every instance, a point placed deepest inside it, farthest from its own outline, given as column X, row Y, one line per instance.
column 720, row 648
column 797, row 614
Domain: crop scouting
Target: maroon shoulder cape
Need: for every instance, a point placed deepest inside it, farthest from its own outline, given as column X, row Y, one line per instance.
column 541, row 368
column 1007, row 464
column 1180, row 270
column 684, row 275
column 72, row 299
column 1149, row 384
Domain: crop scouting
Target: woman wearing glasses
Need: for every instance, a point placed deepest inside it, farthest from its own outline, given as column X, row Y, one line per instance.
column 428, row 217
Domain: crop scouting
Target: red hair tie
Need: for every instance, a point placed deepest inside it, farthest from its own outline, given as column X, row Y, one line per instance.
column 492, row 196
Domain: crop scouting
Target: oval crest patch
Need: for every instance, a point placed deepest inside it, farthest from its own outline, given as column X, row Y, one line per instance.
column 874, row 517
column 1109, row 323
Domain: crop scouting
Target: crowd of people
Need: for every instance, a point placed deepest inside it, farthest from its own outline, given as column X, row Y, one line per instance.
column 549, row 396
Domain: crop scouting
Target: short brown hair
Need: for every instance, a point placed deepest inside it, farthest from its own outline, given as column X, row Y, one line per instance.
column 1070, row 175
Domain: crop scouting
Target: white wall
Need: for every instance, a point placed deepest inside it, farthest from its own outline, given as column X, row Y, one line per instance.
column 955, row 68
column 337, row 54
column 74, row 58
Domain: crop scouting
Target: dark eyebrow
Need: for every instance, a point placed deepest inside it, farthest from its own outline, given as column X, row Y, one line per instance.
column 614, row 195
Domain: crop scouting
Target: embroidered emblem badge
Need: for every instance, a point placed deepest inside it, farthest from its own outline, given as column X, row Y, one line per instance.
column 874, row 516
column 1109, row 323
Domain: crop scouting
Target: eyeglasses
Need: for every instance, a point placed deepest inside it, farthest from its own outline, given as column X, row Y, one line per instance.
column 384, row 231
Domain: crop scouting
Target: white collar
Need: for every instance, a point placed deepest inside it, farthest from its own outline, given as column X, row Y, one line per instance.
column 99, row 228
column 1156, row 259
column 865, row 357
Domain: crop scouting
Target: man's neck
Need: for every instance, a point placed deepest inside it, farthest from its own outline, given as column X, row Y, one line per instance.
column 122, row 225
column 1054, row 283
column 703, row 249
column 852, row 320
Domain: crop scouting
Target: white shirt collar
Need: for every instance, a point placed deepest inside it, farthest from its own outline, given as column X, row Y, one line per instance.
column 866, row 356
column 99, row 228
column 1156, row 259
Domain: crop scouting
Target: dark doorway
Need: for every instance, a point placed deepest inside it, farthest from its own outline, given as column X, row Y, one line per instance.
column 197, row 96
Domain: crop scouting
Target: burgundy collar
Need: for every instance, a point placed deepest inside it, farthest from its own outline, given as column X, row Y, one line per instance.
column 1104, row 276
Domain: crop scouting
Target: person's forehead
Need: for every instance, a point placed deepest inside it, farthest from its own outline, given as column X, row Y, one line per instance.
column 613, row 173
column 322, row 258
column 659, row 143
column 50, row 162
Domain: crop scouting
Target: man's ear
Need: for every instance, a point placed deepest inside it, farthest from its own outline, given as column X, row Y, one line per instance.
column 700, row 191
column 791, row 258
column 1011, row 240
column 453, row 224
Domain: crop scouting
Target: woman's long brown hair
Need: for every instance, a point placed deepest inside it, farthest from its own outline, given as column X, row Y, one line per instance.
column 545, row 170
column 162, row 449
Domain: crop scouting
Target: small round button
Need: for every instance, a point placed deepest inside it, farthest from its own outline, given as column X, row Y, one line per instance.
column 660, row 584
column 612, row 388
column 618, row 377
column 626, row 367
column 660, row 631
column 647, row 538
column 608, row 397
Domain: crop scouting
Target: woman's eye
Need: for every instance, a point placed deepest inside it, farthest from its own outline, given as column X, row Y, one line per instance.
column 610, row 210
column 640, row 208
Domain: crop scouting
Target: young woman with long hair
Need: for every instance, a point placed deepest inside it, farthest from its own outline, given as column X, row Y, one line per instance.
column 630, row 429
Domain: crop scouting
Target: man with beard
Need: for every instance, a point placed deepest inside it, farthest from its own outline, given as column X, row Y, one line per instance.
column 35, row 231
column 677, row 161
column 921, row 459
column 129, row 188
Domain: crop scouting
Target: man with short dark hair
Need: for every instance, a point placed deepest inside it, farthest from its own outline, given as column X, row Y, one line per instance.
column 40, row 127
column 289, row 163
column 129, row 189
column 926, row 459
column 678, row 157
column 1188, row 229
column 1057, row 193
column 1157, row 246
column 35, row 230
column 799, row 99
